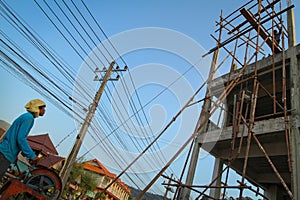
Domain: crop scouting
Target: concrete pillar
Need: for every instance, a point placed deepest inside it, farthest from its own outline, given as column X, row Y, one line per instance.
column 295, row 123
column 218, row 167
column 295, row 104
column 291, row 26
column 184, row 194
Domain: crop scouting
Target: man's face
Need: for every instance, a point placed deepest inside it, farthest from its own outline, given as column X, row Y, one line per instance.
column 42, row 111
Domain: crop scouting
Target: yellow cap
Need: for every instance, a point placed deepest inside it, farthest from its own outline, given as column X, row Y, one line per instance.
column 33, row 106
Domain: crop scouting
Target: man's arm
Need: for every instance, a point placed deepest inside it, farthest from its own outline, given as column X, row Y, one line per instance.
column 22, row 142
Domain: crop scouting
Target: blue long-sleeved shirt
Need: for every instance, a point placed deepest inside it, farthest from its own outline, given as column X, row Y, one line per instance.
column 15, row 139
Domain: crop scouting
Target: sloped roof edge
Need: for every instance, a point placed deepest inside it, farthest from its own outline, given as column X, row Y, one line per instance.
column 43, row 141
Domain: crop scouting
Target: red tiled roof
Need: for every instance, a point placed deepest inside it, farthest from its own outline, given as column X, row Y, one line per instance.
column 49, row 160
column 100, row 169
column 42, row 143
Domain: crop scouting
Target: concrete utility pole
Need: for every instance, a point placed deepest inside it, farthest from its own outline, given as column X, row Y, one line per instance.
column 66, row 170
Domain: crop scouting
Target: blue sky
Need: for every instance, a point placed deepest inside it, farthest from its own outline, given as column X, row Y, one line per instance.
column 191, row 21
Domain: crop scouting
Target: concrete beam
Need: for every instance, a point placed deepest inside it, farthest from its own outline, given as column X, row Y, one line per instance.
column 217, row 85
column 251, row 172
column 260, row 127
column 273, row 149
column 261, row 64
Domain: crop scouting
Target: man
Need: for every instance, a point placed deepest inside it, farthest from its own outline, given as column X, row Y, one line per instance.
column 277, row 35
column 15, row 139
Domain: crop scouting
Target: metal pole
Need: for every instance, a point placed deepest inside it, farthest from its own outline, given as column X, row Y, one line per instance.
column 66, row 170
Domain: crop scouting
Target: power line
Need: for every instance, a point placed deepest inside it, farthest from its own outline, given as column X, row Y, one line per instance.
column 79, row 33
column 98, row 25
column 107, row 60
column 137, row 110
column 25, row 30
column 62, row 34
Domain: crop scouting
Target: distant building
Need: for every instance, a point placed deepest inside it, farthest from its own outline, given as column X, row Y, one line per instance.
column 118, row 191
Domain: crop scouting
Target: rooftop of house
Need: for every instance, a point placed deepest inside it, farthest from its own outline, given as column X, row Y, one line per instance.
column 42, row 143
column 95, row 166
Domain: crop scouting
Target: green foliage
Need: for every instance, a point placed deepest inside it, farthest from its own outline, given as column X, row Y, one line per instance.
column 84, row 179
column 76, row 171
column 88, row 182
column 100, row 195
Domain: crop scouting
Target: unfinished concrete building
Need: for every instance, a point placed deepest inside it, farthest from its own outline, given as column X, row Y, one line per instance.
column 257, row 103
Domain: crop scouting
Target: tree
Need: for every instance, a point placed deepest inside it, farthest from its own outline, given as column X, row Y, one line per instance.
column 100, row 195
column 81, row 178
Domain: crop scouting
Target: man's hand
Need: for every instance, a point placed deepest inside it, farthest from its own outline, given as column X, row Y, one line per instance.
column 34, row 161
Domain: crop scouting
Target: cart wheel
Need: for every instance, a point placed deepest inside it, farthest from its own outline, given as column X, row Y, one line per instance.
column 46, row 182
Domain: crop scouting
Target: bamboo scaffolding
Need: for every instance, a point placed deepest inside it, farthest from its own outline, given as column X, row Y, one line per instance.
column 240, row 105
column 244, row 108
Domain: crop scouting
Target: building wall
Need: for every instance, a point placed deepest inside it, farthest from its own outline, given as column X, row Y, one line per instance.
column 115, row 192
